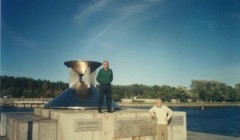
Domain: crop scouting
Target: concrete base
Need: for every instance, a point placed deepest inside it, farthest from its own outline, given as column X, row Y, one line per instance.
column 90, row 125
column 59, row 124
column 27, row 126
column 3, row 121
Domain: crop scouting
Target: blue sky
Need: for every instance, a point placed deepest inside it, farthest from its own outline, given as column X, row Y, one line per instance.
column 146, row 41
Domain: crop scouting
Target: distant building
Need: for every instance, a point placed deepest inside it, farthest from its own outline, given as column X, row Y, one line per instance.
column 175, row 100
column 189, row 100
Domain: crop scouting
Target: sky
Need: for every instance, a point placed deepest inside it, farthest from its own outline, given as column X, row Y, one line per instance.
column 151, row 42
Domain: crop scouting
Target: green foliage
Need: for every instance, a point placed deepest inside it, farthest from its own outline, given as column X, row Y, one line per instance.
column 214, row 91
column 201, row 90
column 166, row 93
column 183, row 94
column 30, row 88
column 236, row 92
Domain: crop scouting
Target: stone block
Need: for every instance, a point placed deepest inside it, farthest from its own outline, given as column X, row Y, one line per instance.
column 4, row 120
column 44, row 130
column 37, row 111
column 46, row 113
column 26, row 126
column 54, row 115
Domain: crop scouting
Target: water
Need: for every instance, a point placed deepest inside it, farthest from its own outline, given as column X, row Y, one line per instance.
column 14, row 109
column 214, row 120
column 217, row 120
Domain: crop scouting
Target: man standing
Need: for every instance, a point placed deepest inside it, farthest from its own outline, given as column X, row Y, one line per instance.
column 104, row 78
column 163, row 114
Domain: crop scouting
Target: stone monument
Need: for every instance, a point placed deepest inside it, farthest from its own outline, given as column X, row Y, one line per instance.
column 72, row 115
column 82, row 92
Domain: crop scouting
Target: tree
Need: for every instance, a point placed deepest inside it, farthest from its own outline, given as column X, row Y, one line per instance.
column 166, row 93
column 199, row 90
column 183, row 94
column 28, row 87
column 213, row 91
column 237, row 90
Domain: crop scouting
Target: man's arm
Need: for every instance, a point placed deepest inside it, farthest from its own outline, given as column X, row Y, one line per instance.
column 169, row 111
column 98, row 77
column 111, row 76
column 152, row 112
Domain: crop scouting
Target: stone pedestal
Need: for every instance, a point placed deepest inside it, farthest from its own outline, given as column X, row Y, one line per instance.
column 120, row 125
column 59, row 124
column 3, row 123
column 27, row 126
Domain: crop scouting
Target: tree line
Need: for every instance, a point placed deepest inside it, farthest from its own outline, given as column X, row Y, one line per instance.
column 200, row 90
column 30, row 88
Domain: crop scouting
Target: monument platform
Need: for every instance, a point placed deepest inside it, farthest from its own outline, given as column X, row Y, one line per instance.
column 59, row 124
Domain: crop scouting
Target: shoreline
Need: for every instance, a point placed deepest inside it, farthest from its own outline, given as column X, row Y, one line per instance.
column 181, row 104
column 167, row 104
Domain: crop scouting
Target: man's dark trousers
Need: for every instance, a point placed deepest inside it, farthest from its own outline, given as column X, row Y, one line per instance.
column 105, row 89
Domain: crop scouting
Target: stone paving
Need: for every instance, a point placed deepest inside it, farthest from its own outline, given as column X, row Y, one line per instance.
column 193, row 136
column 204, row 136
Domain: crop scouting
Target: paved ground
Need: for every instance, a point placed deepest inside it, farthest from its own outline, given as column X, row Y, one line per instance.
column 3, row 138
column 204, row 136
column 193, row 136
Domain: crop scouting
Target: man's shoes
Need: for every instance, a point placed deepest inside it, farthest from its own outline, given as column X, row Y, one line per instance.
column 99, row 111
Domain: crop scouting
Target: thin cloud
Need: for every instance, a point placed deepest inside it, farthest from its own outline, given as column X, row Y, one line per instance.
column 128, row 15
column 20, row 41
column 17, row 41
column 107, row 45
column 89, row 10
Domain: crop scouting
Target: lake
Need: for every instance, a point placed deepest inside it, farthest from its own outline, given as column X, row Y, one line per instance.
column 214, row 120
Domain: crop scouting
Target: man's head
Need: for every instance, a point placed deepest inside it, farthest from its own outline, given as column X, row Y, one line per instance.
column 105, row 64
column 158, row 102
